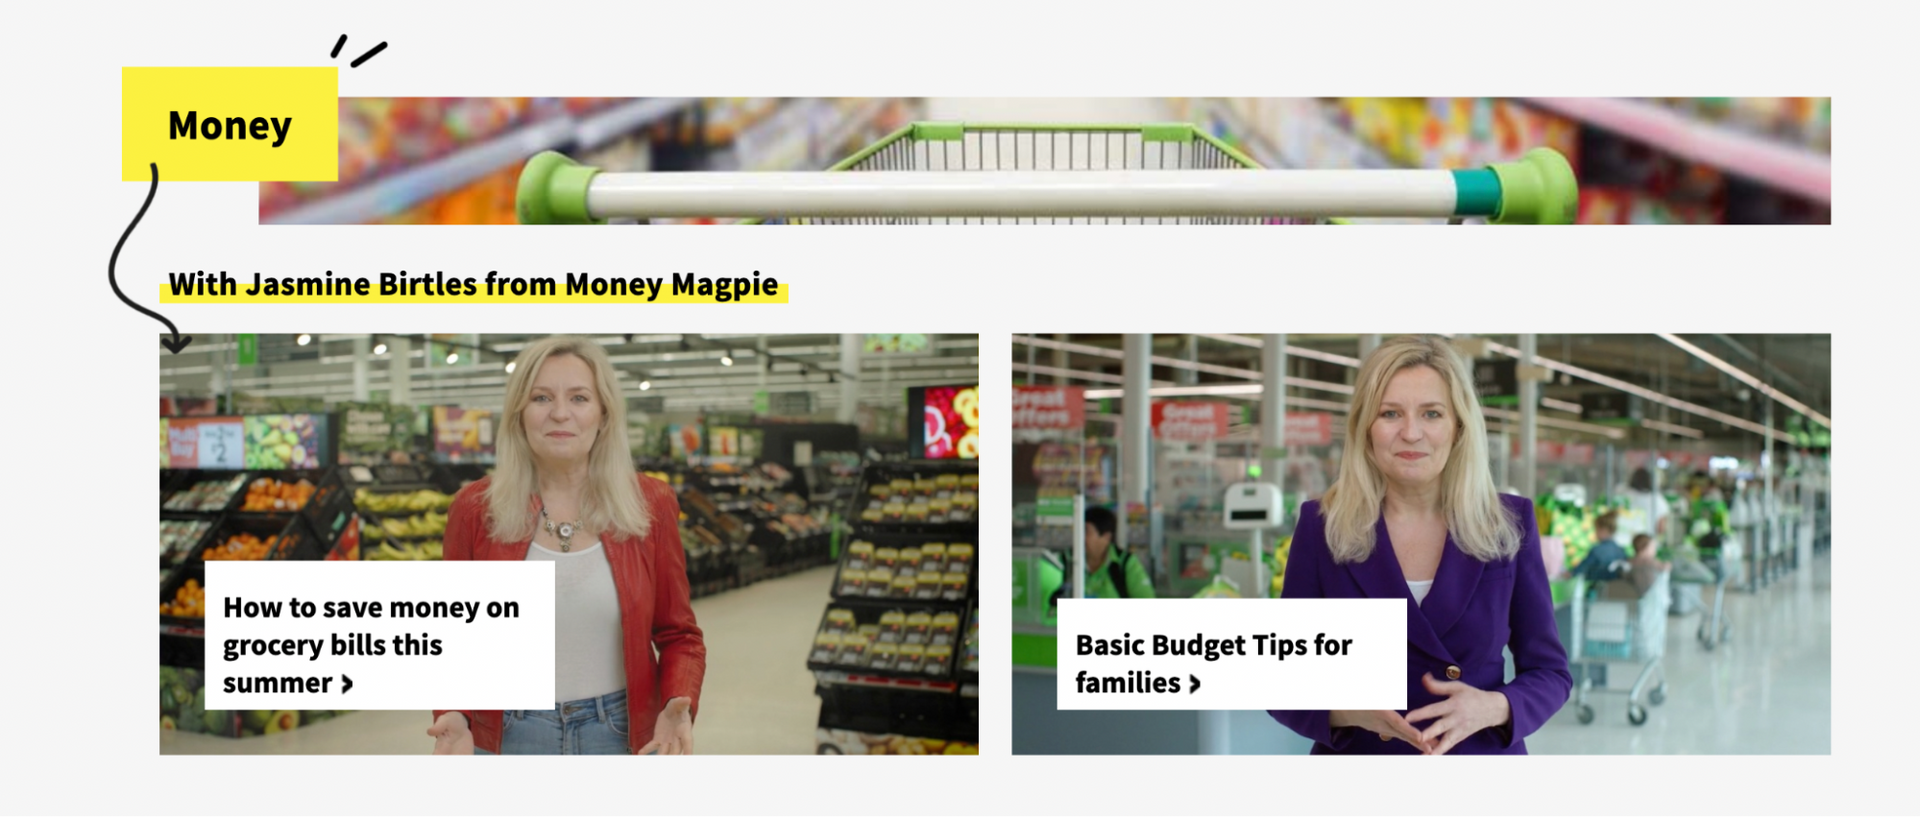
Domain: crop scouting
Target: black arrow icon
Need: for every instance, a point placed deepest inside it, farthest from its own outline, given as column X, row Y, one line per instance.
column 1196, row 684
column 179, row 341
column 348, row 683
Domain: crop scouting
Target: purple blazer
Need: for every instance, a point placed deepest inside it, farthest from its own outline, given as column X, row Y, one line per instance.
column 1473, row 609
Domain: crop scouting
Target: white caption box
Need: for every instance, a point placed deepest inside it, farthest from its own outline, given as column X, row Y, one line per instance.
column 501, row 660
column 1370, row 671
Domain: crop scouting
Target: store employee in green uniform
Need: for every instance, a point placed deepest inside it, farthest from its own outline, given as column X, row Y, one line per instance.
column 1111, row 573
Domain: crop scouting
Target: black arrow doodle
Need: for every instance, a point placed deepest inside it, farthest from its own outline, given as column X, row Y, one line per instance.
column 347, row 685
column 179, row 341
column 1196, row 684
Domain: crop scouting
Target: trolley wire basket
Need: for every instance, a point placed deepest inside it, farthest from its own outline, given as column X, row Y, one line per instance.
column 956, row 173
column 1626, row 633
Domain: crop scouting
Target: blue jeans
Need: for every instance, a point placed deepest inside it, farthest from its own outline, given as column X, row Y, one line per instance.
column 589, row 726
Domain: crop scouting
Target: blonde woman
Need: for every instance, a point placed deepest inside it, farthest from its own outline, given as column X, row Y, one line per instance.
column 564, row 490
column 1414, row 516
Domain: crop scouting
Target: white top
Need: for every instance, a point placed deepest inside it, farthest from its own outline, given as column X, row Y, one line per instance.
column 588, row 658
column 1419, row 590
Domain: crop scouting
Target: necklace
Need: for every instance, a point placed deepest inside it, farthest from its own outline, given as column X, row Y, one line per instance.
column 563, row 530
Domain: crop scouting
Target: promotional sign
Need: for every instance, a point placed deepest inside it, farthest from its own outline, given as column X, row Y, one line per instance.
column 1611, row 408
column 248, row 347
column 462, row 434
column 896, row 344
column 266, row 441
column 1189, row 422
column 1497, row 381
column 789, row 403
column 950, row 424
column 685, row 440
column 1055, row 407
column 1309, row 428
column 723, row 441
column 213, row 442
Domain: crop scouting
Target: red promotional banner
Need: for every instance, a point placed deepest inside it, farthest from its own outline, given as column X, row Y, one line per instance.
column 1058, row 407
column 1189, row 422
column 1309, row 428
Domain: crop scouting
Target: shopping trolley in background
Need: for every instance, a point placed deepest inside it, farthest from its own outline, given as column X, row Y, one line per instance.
column 1721, row 554
column 1622, row 630
column 944, row 173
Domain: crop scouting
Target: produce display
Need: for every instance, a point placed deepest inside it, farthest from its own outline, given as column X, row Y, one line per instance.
column 190, row 601
column 927, row 572
column 177, row 535
column 207, row 495
column 403, row 552
column 415, row 537
column 183, row 708
column 413, row 502
column 279, row 441
column 941, row 499
column 268, row 494
column 244, row 547
column 412, row 527
column 899, row 641
column 889, row 651
column 847, row 742
column 970, row 661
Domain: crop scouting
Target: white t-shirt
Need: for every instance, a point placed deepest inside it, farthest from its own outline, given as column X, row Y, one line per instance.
column 1419, row 590
column 1651, row 508
column 589, row 659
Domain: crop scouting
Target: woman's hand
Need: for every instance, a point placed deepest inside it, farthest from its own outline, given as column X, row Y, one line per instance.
column 1464, row 711
column 673, row 732
column 450, row 735
column 1386, row 723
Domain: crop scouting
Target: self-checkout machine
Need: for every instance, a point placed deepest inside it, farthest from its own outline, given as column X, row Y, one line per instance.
column 1257, row 508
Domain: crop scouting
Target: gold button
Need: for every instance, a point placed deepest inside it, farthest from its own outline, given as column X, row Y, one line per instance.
column 1453, row 673
column 1385, row 738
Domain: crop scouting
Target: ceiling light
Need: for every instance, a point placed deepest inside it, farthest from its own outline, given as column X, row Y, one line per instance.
column 452, row 358
column 510, row 367
column 726, row 358
column 303, row 340
column 380, row 348
column 646, row 384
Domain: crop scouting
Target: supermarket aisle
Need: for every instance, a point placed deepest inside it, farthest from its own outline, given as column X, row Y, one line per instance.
column 1044, row 110
column 758, row 697
column 1767, row 691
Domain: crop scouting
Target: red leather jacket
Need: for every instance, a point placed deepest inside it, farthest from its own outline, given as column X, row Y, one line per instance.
column 656, row 612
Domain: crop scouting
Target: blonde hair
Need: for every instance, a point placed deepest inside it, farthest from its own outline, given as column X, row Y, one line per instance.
column 1479, row 523
column 611, row 501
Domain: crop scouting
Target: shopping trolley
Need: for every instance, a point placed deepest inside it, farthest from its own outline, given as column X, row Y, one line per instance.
column 1614, row 631
column 944, row 173
column 1724, row 560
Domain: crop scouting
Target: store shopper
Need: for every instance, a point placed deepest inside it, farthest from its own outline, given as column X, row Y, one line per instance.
column 1646, row 566
column 564, row 490
column 1414, row 515
column 1652, row 507
column 1112, row 573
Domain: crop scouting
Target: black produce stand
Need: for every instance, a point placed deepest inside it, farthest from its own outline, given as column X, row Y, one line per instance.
column 874, row 693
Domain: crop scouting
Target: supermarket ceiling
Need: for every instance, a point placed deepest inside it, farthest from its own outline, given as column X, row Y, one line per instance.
column 690, row 372
column 1799, row 366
